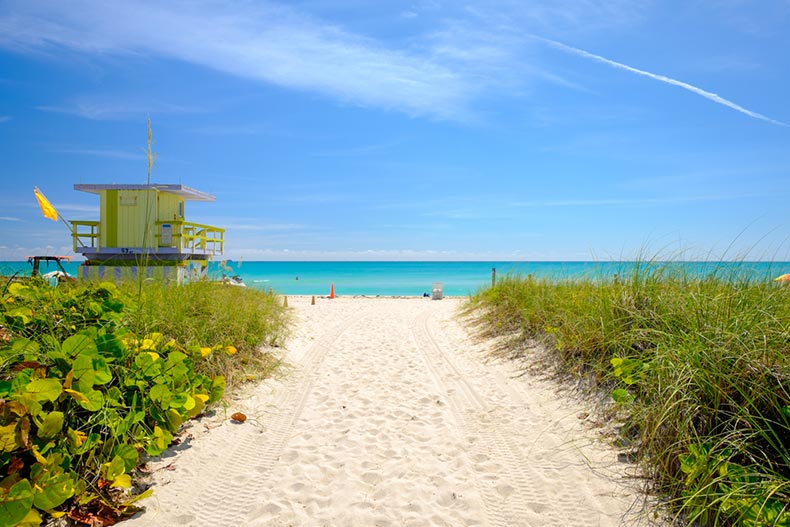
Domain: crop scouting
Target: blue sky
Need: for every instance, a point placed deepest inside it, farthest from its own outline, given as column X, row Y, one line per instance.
column 427, row 130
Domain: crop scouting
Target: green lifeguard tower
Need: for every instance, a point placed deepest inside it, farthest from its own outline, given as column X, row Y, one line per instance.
column 142, row 229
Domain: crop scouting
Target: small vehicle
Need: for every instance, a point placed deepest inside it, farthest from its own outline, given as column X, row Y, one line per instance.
column 56, row 276
column 234, row 280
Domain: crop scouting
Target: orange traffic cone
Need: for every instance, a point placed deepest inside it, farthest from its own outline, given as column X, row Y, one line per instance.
column 332, row 291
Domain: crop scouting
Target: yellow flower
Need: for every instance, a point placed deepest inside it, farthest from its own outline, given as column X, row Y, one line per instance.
column 80, row 437
column 205, row 351
column 202, row 396
column 154, row 355
column 230, row 350
column 148, row 344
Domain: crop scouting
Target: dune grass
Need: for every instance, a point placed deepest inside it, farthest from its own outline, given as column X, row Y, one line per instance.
column 212, row 315
column 699, row 370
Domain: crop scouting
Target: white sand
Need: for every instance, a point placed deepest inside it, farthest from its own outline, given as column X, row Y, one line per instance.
column 391, row 417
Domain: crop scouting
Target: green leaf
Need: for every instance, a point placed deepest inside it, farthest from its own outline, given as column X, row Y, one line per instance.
column 621, row 395
column 51, row 487
column 93, row 368
column 174, row 420
column 160, row 441
column 44, row 389
column 114, row 468
column 217, row 389
column 16, row 500
column 51, row 425
column 91, row 400
column 110, row 345
column 123, row 481
column 129, row 455
column 16, row 288
column 8, row 438
column 77, row 344
column 23, row 314
column 176, row 357
column 31, row 519
column 161, row 394
column 24, row 347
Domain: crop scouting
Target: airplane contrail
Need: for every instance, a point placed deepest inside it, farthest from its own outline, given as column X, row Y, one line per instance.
column 699, row 91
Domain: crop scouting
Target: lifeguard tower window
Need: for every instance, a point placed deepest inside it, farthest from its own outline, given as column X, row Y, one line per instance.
column 180, row 209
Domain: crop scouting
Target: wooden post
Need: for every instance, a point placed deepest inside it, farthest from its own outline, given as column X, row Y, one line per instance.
column 312, row 302
column 493, row 276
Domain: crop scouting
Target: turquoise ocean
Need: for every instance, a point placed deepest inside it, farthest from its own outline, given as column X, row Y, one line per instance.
column 417, row 278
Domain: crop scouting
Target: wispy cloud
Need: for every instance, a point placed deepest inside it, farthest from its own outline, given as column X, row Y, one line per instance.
column 100, row 109
column 114, row 154
column 5, row 118
column 9, row 218
column 662, row 78
column 262, row 41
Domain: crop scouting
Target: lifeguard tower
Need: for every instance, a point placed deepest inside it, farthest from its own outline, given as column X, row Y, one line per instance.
column 142, row 230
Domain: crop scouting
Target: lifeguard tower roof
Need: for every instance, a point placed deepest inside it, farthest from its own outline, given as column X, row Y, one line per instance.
column 185, row 192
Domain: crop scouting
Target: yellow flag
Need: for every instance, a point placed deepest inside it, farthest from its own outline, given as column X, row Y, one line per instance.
column 46, row 207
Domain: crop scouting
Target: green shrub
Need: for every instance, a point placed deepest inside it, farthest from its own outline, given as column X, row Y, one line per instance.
column 701, row 367
column 89, row 382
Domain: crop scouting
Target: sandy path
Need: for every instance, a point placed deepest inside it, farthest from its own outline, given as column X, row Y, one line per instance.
column 390, row 417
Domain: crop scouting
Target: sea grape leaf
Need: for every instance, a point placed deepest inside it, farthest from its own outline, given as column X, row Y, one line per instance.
column 621, row 395
column 182, row 400
column 110, row 345
column 174, row 420
column 129, row 455
column 123, row 481
column 24, row 346
column 8, row 438
column 79, row 344
column 91, row 400
column 217, row 389
column 16, row 500
column 16, row 288
column 51, row 425
column 147, row 365
column 161, row 394
column 200, row 404
column 160, row 441
column 5, row 388
column 114, row 468
column 92, row 368
column 23, row 432
column 114, row 396
column 32, row 519
column 44, row 389
column 51, row 487
column 23, row 314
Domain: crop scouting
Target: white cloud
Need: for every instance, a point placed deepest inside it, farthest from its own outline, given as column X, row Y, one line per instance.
column 699, row 91
column 260, row 41
column 115, row 154
column 475, row 51
column 101, row 109
column 5, row 118
column 9, row 218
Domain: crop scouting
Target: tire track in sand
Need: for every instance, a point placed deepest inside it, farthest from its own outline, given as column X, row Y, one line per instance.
column 521, row 484
column 227, row 490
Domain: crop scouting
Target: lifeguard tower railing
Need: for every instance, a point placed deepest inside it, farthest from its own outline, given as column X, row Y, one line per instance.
column 171, row 236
